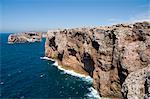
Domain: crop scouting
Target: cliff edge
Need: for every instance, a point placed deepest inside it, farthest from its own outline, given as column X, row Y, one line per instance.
column 117, row 57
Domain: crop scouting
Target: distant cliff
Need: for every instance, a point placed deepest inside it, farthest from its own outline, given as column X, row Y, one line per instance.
column 116, row 57
column 25, row 37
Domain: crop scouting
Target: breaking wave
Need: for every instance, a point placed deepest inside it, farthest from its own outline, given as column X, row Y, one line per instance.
column 71, row 72
column 92, row 94
column 46, row 58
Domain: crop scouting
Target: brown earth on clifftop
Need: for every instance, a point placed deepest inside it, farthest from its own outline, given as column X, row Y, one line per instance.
column 116, row 57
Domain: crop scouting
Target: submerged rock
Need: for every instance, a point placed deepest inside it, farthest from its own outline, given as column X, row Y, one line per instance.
column 111, row 55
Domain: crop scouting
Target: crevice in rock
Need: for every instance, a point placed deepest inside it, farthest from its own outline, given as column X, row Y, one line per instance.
column 147, row 86
column 80, row 35
column 124, row 91
column 60, row 56
column 95, row 45
column 113, row 37
column 88, row 63
column 72, row 52
column 52, row 43
column 122, row 73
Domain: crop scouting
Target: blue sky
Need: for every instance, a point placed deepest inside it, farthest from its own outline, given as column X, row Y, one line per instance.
column 41, row 15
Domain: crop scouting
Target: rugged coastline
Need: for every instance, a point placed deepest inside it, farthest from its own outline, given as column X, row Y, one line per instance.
column 93, row 93
column 116, row 57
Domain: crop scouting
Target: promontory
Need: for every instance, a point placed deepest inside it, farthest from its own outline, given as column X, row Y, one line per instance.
column 117, row 57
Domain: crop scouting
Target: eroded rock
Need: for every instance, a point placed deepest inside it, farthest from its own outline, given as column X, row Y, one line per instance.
column 137, row 84
column 115, row 56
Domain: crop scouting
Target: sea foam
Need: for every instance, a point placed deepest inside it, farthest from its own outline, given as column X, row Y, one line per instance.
column 73, row 73
column 46, row 58
column 92, row 94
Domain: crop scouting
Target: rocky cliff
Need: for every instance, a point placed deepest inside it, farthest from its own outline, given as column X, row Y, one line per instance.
column 116, row 57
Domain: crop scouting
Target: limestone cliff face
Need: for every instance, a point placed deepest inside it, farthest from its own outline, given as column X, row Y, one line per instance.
column 114, row 56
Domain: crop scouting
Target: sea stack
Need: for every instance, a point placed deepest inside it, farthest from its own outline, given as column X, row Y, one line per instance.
column 117, row 57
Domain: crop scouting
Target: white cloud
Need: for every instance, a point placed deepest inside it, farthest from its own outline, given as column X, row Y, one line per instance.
column 134, row 18
column 140, row 17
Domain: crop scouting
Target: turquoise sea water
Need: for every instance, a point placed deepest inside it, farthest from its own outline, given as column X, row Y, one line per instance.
column 24, row 75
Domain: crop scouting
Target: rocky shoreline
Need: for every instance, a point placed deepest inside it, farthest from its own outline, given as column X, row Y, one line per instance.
column 116, row 57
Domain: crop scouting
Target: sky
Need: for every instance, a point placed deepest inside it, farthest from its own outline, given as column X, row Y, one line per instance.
column 41, row 15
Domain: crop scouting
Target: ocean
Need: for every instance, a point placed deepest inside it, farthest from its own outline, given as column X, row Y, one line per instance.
column 25, row 73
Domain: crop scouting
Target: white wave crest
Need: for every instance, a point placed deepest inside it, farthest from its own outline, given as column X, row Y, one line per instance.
column 93, row 93
column 46, row 58
column 73, row 73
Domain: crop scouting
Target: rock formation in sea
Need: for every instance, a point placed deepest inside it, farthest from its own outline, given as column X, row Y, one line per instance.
column 117, row 57
column 25, row 37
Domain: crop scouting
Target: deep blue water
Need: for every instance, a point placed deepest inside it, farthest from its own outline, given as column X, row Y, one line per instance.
column 24, row 75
